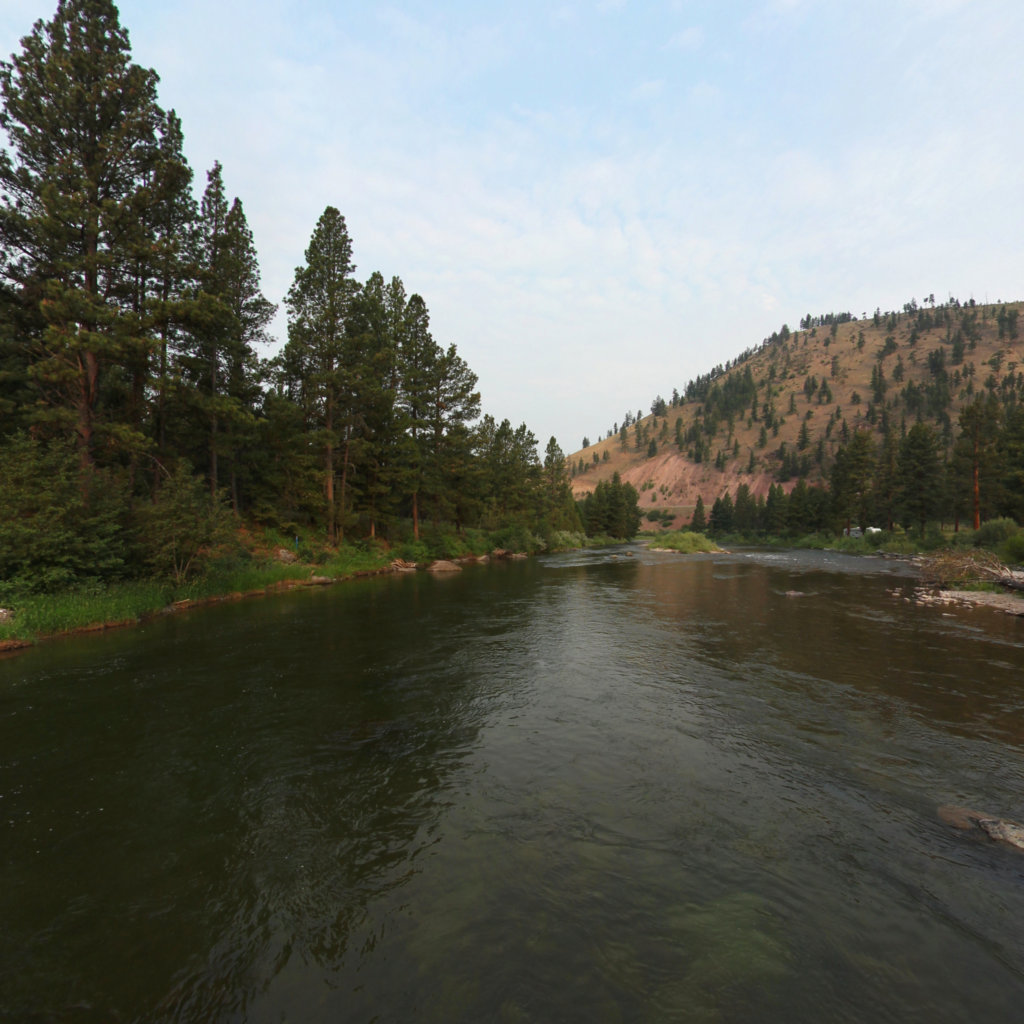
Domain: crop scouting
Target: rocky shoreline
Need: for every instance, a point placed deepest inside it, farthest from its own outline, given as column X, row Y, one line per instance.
column 1008, row 603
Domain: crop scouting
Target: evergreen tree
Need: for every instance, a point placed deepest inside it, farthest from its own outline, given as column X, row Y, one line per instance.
column 888, row 480
column 798, row 513
column 1011, row 460
column 744, row 510
column 454, row 403
column 776, row 511
column 976, row 451
column 75, row 192
column 559, row 509
column 699, row 521
column 853, row 478
column 317, row 358
column 721, row 515
column 920, row 475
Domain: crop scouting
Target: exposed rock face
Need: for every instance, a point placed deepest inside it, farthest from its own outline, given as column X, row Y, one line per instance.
column 286, row 556
column 442, row 565
column 1000, row 829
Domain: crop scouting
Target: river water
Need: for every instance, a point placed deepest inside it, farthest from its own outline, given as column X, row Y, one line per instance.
column 602, row 786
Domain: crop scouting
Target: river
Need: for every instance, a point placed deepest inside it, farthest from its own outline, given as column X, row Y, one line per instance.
column 598, row 786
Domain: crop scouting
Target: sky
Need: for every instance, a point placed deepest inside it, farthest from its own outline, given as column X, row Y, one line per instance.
column 599, row 201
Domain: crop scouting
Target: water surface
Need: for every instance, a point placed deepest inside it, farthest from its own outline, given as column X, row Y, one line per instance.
column 615, row 786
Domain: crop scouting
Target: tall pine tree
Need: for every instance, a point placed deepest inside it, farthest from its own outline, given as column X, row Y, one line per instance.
column 83, row 125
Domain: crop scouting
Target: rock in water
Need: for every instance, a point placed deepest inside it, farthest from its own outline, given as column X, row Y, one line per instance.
column 441, row 565
column 1001, row 829
column 1004, row 831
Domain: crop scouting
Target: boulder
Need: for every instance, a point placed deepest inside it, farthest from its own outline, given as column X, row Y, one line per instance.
column 401, row 565
column 286, row 556
column 443, row 565
column 1001, row 829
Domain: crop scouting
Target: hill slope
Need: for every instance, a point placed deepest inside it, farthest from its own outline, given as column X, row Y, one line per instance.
column 781, row 409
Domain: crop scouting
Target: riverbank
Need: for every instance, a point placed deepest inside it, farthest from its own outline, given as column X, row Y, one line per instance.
column 39, row 618
column 29, row 619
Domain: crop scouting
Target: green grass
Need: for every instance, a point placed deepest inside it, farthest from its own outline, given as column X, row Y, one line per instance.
column 38, row 615
column 685, row 542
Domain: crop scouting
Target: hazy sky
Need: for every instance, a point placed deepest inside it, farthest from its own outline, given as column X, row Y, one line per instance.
column 601, row 200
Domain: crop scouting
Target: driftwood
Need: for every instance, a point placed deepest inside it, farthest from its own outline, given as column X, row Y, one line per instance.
column 963, row 568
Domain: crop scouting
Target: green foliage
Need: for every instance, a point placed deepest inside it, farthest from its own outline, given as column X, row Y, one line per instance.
column 37, row 615
column 60, row 525
column 179, row 529
column 699, row 521
column 1012, row 549
column 686, row 542
column 565, row 540
column 993, row 532
column 518, row 538
column 354, row 558
column 611, row 509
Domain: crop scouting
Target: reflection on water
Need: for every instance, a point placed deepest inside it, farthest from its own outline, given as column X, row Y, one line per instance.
column 616, row 785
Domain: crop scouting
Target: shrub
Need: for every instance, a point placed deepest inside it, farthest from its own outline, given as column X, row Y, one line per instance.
column 58, row 529
column 992, row 533
column 413, row 551
column 516, row 538
column 686, row 543
column 1012, row 550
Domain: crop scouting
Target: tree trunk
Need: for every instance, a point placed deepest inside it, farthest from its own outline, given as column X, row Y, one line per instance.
column 976, row 488
column 329, row 489
column 344, row 481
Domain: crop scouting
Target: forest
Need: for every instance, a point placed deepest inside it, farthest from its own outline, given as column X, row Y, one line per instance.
column 141, row 420
column 909, row 422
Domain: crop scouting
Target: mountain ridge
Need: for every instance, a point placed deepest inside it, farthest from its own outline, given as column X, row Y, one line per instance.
column 780, row 410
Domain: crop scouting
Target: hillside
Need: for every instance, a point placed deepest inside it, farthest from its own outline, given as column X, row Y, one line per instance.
column 780, row 410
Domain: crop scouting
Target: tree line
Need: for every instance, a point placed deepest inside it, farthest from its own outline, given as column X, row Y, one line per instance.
column 907, row 478
column 131, row 325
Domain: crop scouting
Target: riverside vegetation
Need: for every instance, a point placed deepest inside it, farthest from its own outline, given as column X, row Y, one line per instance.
column 148, row 452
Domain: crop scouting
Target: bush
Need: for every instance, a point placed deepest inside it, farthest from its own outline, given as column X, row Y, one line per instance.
column 179, row 530
column 516, row 538
column 58, row 529
column 413, row 551
column 995, row 532
column 1012, row 550
column 686, row 543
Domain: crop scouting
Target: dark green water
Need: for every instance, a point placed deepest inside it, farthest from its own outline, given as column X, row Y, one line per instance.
column 580, row 788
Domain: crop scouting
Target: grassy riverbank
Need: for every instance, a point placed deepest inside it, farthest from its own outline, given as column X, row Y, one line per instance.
column 32, row 617
column 250, row 566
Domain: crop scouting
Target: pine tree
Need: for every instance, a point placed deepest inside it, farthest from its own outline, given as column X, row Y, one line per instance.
column 317, row 356
column 853, row 478
column 920, row 475
column 83, row 124
column 699, row 521
column 976, row 451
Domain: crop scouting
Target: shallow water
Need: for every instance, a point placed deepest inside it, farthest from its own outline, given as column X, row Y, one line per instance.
column 596, row 786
